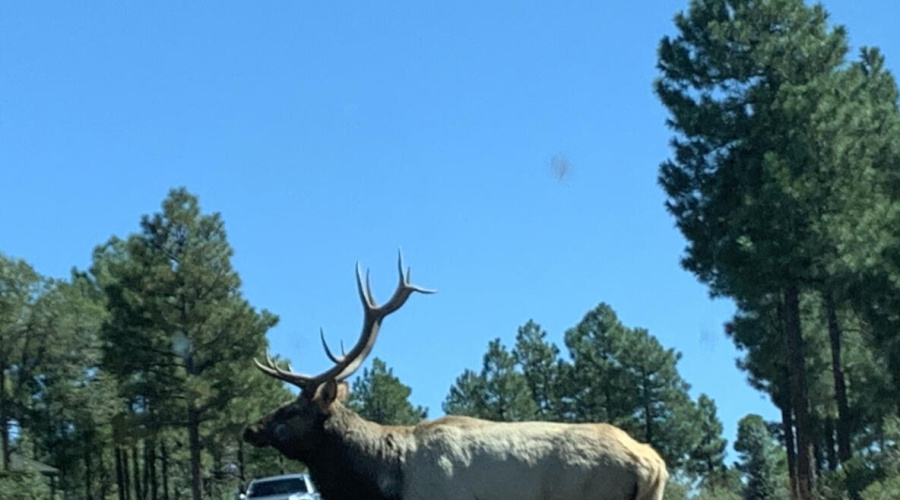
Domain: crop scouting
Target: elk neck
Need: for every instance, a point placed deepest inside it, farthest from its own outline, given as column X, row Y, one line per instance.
column 359, row 459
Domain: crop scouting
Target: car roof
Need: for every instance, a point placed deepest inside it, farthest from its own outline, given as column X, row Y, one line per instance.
column 282, row 476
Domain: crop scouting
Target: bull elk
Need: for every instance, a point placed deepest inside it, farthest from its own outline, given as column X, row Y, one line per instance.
column 451, row 458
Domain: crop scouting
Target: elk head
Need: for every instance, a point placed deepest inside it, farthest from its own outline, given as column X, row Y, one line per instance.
column 297, row 428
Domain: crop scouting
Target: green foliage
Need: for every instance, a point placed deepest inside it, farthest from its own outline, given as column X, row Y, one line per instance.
column 617, row 374
column 545, row 373
column 379, row 396
column 724, row 484
column 735, row 85
column 595, row 346
column 179, row 328
column 641, row 390
column 24, row 485
column 708, row 457
column 759, row 460
column 889, row 489
column 467, row 396
column 222, row 433
column 677, row 490
column 718, row 493
column 877, row 476
column 20, row 342
column 500, row 392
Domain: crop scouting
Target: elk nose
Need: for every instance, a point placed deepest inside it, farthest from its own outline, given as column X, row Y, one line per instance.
column 253, row 434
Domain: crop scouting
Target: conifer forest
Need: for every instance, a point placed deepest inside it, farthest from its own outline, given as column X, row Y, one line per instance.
column 133, row 378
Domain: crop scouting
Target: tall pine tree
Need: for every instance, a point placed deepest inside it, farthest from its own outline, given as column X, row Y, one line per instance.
column 180, row 334
column 758, row 180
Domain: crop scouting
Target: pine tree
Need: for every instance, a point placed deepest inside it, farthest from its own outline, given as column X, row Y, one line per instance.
column 543, row 369
column 758, row 460
column 20, row 286
column 759, row 182
column 708, row 458
column 379, row 396
column 625, row 377
column 595, row 346
column 180, row 336
column 500, row 392
column 467, row 396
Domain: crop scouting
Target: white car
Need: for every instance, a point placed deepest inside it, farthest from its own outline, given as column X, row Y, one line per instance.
column 285, row 487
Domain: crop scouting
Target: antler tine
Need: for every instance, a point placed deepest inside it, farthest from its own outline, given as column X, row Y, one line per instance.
column 369, row 289
column 365, row 294
column 273, row 370
column 404, row 289
column 406, row 277
column 332, row 357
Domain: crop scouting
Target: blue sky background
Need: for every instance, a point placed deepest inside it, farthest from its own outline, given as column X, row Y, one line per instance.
column 329, row 133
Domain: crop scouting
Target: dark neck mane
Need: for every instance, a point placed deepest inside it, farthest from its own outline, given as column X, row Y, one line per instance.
column 358, row 459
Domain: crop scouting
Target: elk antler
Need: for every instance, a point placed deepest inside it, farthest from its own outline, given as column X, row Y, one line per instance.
column 348, row 363
column 332, row 357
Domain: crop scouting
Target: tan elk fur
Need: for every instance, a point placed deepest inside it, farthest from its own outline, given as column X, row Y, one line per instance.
column 462, row 458
column 451, row 458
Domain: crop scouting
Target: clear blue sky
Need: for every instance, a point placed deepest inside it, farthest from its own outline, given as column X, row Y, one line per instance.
column 329, row 133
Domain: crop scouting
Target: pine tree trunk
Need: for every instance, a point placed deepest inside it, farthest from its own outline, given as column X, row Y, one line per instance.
column 790, row 447
column 194, row 443
column 150, row 451
column 88, row 473
column 840, row 387
column 4, row 421
column 217, row 467
column 104, row 475
column 818, row 456
column 164, row 455
column 830, row 445
column 136, row 469
column 120, row 483
column 799, row 392
column 240, row 457
column 126, row 481
column 145, row 474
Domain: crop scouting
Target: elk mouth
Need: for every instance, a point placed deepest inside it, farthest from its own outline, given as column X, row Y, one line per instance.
column 255, row 436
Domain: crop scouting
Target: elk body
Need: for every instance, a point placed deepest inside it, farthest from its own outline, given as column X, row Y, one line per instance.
column 451, row 458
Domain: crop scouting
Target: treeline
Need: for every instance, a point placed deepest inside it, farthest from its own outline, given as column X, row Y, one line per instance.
column 134, row 378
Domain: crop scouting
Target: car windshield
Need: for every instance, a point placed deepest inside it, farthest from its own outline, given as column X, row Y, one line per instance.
column 277, row 487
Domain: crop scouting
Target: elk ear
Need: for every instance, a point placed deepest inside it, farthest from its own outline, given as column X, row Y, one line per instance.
column 327, row 393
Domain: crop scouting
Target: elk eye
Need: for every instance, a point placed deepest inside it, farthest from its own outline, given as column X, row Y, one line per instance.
column 281, row 432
